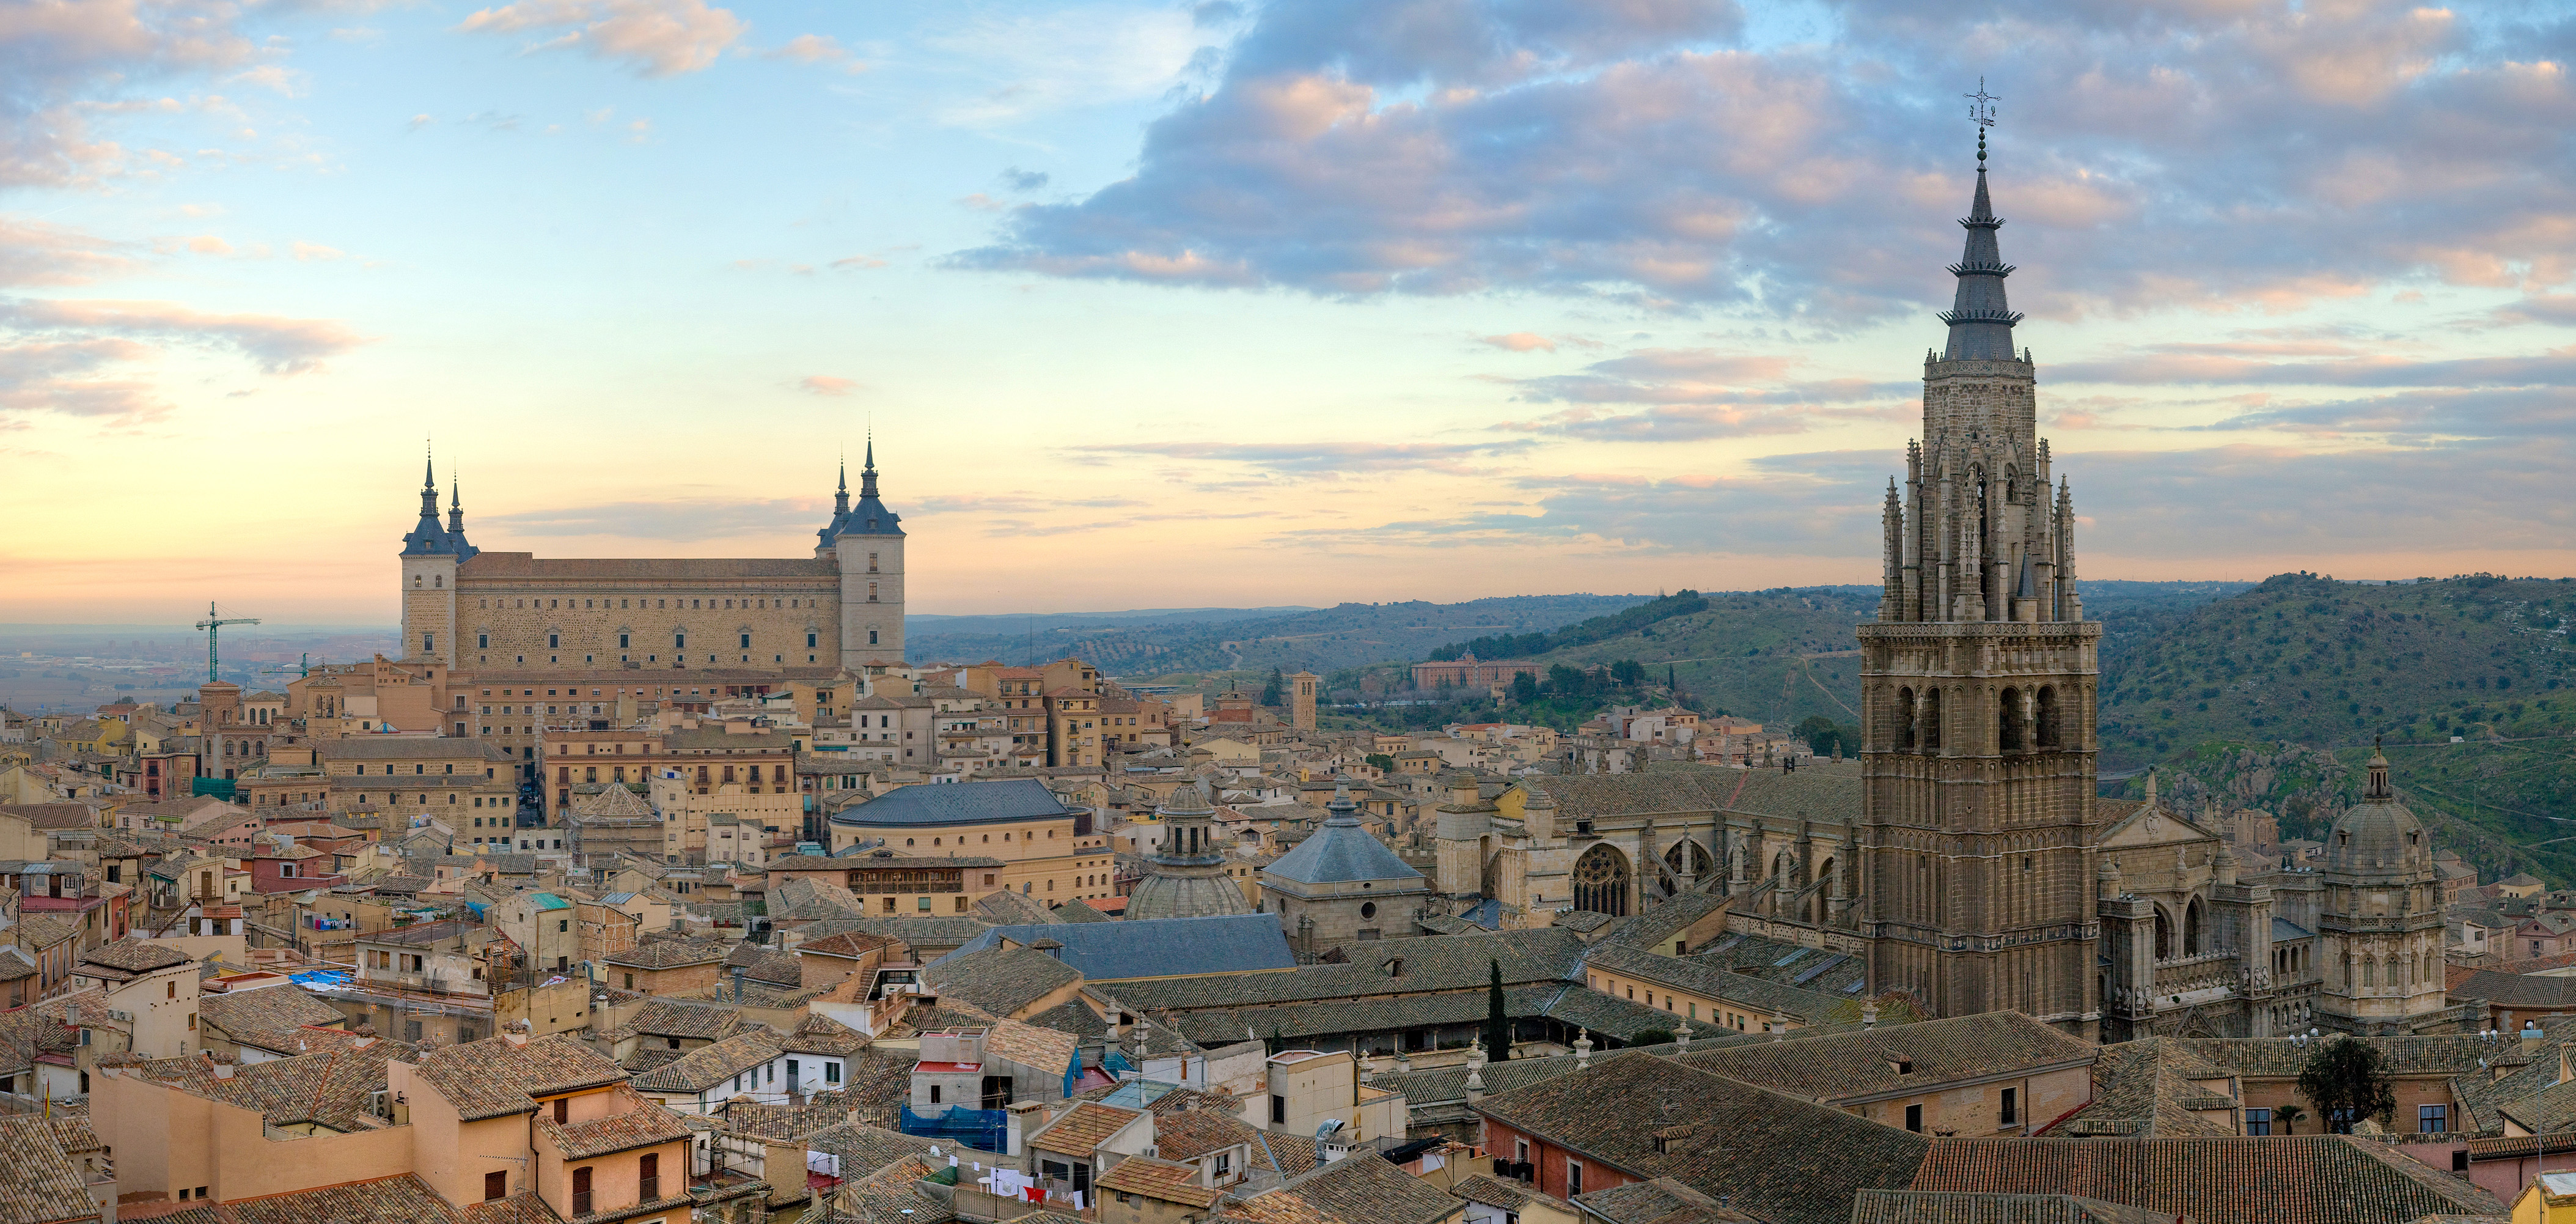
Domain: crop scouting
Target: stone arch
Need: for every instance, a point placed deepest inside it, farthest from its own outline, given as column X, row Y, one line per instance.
column 2049, row 732
column 2192, row 935
column 1816, row 903
column 1905, row 720
column 2008, row 720
column 1601, row 881
column 1930, row 718
column 2164, row 933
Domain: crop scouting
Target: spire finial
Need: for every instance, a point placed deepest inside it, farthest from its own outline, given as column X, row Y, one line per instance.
column 1981, row 111
column 845, row 471
column 428, row 465
column 870, row 463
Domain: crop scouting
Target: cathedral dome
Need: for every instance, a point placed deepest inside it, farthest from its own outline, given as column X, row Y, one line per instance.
column 2378, row 834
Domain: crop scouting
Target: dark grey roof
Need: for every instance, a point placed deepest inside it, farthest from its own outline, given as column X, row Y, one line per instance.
column 1940, row 1207
column 955, row 804
column 1447, row 963
column 1153, row 947
column 2286, row 931
column 1339, row 852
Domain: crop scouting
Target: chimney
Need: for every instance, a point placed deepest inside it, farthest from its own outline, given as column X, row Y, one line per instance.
column 1022, row 1116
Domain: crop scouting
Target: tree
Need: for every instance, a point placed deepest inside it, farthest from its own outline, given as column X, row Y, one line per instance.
column 1382, row 761
column 1650, row 1037
column 1498, row 1024
column 2288, row 1116
column 1524, row 689
column 1270, row 692
column 2347, row 1081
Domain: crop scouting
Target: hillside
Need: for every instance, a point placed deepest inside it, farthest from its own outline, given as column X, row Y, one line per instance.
column 1782, row 655
column 1323, row 640
column 2270, row 699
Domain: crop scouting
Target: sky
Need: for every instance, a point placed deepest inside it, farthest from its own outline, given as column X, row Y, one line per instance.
column 1175, row 305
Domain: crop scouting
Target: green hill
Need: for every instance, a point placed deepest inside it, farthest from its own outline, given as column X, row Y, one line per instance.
column 2270, row 699
column 1323, row 639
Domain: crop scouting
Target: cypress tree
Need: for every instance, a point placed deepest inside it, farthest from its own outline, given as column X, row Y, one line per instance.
column 1498, row 1026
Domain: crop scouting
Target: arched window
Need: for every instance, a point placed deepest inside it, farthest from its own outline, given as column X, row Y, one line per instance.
column 1905, row 720
column 2048, row 716
column 2008, row 730
column 2164, row 935
column 2191, row 921
column 1931, row 720
column 1601, row 881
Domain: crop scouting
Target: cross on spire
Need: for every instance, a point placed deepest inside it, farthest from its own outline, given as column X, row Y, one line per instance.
column 1981, row 105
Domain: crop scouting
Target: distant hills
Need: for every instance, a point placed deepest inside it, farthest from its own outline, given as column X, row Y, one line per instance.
column 1160, row 643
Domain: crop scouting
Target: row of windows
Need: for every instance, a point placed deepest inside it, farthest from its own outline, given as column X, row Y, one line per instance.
column 704, row 605
column 626, row 641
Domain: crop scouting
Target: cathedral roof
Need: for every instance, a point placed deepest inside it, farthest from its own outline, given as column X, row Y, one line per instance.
column 1341, row 852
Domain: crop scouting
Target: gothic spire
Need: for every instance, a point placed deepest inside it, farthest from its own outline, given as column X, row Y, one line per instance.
column 841, row 497
column 868, row 469
column 1980, row 320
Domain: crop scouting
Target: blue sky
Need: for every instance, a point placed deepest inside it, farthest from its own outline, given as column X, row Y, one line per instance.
column 1156, row 305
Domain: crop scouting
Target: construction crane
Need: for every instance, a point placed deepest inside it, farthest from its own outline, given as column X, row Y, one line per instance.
column 304, row 668
column 214, row 627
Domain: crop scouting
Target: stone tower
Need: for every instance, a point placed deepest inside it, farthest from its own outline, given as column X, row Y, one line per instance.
column 1301, row 700
column 430, row 555
column 1978, row 687
column 2379, row 926
column 866, row 540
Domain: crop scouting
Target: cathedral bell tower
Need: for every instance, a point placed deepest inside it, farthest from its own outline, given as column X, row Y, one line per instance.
column 1978, row 686
column 430, row 555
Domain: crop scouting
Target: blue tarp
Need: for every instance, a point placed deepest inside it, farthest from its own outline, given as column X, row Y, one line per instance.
column 320, row 977
column 984, row 1129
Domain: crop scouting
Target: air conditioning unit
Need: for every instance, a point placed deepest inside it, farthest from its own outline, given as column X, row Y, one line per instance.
column 126, row 1016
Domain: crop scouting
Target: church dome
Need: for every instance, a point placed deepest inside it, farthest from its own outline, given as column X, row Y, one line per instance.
column 1189, row 800
column 2378, row 834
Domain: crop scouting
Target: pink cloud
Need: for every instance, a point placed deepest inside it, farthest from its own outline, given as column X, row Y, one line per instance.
column 278, row 345
column 825, row 384
column 1520, row 342
column 655, row 37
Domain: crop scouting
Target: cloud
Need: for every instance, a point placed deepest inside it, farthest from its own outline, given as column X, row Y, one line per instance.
column 277, row 345
column 35, row 253
column 816, row 49
column 66, row 377
column 2167, row 367
column 1642, row 152
column 1689, row 395
column 314, row 252
column 657, row 38
column 856, row 263
column 55, row 55
column 825, row 384
column 1023, row 180
column 1317, row 458
column 1520, row 342
column 685, row 520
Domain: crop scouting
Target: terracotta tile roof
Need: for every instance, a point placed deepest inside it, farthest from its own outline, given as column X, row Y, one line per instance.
column 1358, row 1187
column 1849, row 1066
column 669, row 1018
column 2147, row 1087
column 707, row 1067
column 136, row 955
column 865, row 1149
column 672, row 953
column 2305, row 1179
column 852, row 944
column 779, row 1120
column 820, row 1034
column 1082, row 1128
column 493, row 1077
column 1781, row 1159
column 1048, row 1050
column 1659, row 1200
column 1157, row 1179
column 638, row 1123
column 1930, row 1207
column 38, row 1181
column 387, row 1200
column 1000, row 980
column 267, row 1017
column 329, row 1086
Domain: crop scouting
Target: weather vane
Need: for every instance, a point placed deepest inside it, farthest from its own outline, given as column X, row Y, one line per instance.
column 1981, row 105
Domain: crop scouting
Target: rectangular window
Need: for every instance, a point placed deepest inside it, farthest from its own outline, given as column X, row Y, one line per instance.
column 2258, row 1121
column 809, row 641
column 581, row 1191
column 746, row 641
column 1914, row 1118
column 648, row 1177
column 2433, row 1119
column 1278, row 1110
column 831, row 1073
column 625, row 640
column 2010, row 1112
column 1573, row 1177
column 482, row 641
column 496, row 1185
column 554, row 641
